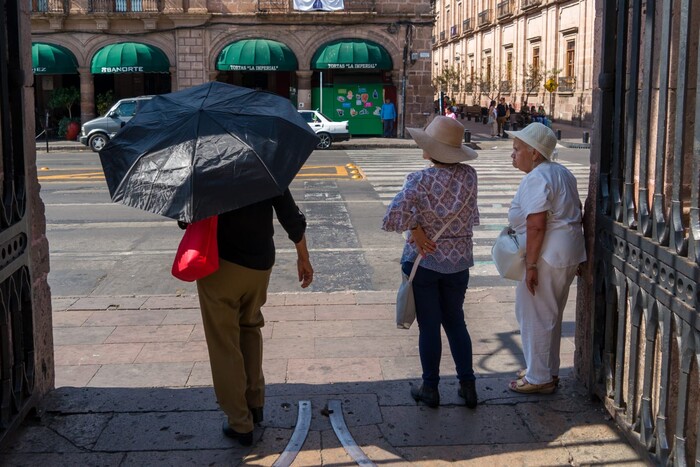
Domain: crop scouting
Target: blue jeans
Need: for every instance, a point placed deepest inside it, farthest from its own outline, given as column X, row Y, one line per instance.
column 388, row 128
column 439, row 298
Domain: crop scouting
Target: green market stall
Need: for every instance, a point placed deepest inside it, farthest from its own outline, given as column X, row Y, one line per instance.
column 351, row 83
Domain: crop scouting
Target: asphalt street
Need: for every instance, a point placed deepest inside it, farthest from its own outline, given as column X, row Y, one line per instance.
column 101, row 248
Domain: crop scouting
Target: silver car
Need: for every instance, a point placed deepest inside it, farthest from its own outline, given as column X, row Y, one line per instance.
column 96, row 132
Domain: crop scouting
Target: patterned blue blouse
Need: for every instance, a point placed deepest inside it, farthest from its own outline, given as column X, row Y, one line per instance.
column 431, row 197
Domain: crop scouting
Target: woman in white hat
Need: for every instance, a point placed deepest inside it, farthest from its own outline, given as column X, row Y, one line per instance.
column 547, row 209
column 444, row 192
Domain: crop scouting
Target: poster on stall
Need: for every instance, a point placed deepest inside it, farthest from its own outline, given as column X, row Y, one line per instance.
column 359, row 104
column 318, row 5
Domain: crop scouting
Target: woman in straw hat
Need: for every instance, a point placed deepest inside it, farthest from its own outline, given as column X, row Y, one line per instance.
column 547, row 209
column 441, row 193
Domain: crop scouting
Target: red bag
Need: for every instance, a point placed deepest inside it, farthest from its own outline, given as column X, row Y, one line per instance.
column 198, row 253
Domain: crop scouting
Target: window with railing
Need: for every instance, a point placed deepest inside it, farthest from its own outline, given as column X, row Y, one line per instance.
column 505, row 87
column 467, row 25
column 525, row 4
column 484, row 18
column 469, row 88
column 49, row 6
column 505, row 8
column 125, row 6
column 454, row 31
column 442, row 36
column 285, row 6
column 566, row 84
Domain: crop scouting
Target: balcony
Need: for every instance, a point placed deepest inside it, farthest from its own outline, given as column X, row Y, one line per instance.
column 567, row 84
column 527, row 4
column 125, row 6
column 505, row 9
column 531, row 87
column 442, row 36
column 467, row 25
column 285, row 6
column 469, row 88
column 506, row 87
column 484, row 18
column 49, row 6
column 454, row 31
column 485, row 88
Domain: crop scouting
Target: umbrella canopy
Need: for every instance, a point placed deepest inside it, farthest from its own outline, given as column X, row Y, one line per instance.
column 206, row 150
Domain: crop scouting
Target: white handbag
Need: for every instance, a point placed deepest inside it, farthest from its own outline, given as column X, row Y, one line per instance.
column 508, row 254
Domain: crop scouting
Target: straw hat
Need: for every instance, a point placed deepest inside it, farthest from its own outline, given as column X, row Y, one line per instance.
column 442, row 139
column 539, row 137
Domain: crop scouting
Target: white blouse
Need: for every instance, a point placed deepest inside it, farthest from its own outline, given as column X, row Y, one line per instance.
column 551, row 187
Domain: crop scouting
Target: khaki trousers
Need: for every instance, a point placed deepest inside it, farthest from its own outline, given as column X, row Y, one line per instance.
column 230, row 300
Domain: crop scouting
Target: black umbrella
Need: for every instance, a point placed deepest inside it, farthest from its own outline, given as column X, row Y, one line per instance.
column 206, row 150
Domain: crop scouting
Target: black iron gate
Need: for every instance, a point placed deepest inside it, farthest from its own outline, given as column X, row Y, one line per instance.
column 16, row 327
column 646, row 329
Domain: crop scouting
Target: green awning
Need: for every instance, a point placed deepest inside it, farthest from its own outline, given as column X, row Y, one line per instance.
column 51, row 59
column 351, row 54
column 129, row 57
column 256, row 55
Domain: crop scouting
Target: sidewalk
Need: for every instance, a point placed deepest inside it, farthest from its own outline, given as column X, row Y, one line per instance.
column 134, row 388
column 571, row 136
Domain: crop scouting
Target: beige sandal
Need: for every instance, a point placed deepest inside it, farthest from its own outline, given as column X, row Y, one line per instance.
column 523, row 386
column 523, row 372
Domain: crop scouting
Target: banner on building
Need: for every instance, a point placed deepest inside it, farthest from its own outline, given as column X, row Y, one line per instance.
column 316, row 5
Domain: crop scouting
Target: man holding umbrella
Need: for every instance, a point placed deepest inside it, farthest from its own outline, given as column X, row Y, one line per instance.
column 231, row 301
column 221, row 150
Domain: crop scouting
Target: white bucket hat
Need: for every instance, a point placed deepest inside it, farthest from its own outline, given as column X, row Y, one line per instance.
column 539, row 137
column 442, row 139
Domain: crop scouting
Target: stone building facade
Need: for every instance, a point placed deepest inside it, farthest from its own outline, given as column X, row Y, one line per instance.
column 512, row 48
column 195, row 41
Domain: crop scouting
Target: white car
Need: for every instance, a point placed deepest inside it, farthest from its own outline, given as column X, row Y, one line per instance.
column 326, row 129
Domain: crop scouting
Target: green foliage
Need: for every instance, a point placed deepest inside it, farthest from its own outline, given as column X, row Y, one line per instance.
column 64, row 98
column 63, row 125
column 105, row 102
column 449, row 77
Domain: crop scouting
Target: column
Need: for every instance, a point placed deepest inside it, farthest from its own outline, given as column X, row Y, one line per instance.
column 173, row 79
column 304, row 88
column 87, row 94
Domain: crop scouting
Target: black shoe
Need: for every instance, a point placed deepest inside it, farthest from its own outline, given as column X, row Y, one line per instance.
column 429, row 396
column 246, row 439
column 467, row 391
column 257, row 413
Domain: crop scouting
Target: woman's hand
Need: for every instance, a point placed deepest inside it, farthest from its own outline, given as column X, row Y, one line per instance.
column 531, row 280
column 424, row 245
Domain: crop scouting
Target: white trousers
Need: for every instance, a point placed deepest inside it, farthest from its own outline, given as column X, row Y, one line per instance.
column 539, row 317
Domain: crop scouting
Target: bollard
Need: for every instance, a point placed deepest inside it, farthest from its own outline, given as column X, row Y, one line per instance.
column 585, row 137
column 467, row 136
column 558, row 135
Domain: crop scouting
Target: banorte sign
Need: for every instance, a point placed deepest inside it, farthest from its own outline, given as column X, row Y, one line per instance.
column 121, row 69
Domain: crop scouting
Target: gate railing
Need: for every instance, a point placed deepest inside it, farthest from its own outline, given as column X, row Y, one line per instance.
column 16, row 316
column 646, row 343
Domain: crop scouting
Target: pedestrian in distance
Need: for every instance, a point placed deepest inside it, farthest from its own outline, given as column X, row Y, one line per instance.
column 442, row 194
column 493, row 119
column 231, row 301
column 388, row 116
column 450, row 113
column 501, row 115
column 546, row 209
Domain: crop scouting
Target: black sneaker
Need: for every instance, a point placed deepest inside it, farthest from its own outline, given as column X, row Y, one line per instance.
column 467, row 391
column 257, row 413
column 429, row 396
column 246, row 439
